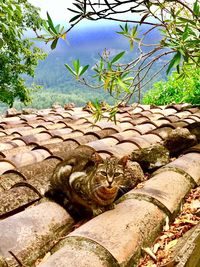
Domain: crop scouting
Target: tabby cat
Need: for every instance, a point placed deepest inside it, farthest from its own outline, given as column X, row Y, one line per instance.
column 90, row 182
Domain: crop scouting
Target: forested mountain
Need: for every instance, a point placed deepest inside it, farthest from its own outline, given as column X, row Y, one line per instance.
column 85, row 44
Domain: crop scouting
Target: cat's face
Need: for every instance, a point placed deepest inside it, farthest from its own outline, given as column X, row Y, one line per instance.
column 107, row 179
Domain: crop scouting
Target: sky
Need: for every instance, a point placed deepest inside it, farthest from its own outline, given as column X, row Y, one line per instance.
column 60, row 14
column 58, row 8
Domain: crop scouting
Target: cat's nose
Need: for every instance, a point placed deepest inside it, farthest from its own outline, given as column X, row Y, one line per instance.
column 109, row 184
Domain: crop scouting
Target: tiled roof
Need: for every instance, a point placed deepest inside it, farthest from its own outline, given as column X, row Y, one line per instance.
column 30, row 148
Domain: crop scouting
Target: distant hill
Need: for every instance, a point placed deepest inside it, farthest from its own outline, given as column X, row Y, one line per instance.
column 84, row 44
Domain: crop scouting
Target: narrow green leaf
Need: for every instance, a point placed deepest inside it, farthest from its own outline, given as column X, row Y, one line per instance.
column 117, row 57
column 186, row 32
column 122, row 33
column 57, row 28
column 131, row 41
column 143, row 18
column 174, row 62
column 1, row 43
column 78, row 6
column 50, row 22
column 75, row 18
column 196, row 8
column 126, row 27
column 54, row 43
column 84, row 70
column 74, row 11
column 178, row 69
column 121, row 27
column 134, row 31
column 70, row 69
column 76, row 64
column 123, row 85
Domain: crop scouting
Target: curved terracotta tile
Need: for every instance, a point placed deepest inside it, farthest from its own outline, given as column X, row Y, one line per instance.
column 10, row 178
column 86, row 128
column 7, row 145
column 146, row 113
column 155, row 109
column 60, row 132
column 126, row 126
column 14, row 120
column 168, row 111
column 161, row 122
column 31, row 131
column 108, row 124
column 7, row 138
column 179, row 124
column 20, row 149
column 31, row 157
column 35, row 138
column 144, row 107
column 144, row 128
column 62, row 149
column 6, row 165
column 104, row 154
column 189, row 163
column 127, row 118
column 194, row 117
column 115, row 229
column 74, row 133
column 188, row 120
column 127, row 146
column 2, row 155
column 163, row 131
column 136, row 110
column 183, row 114
column 172, row 118
column 152, row 138
column 54, row 140
column 28, row 117
column 99, row 145
column 81, row 140
column 155, row 116
column 125, row 135
column 168, row 187
column 58, row 125
column 120, row 150
column 41, row 171
column 139, row 141
column 3, row 133
column 29, row 230
column 193, row 109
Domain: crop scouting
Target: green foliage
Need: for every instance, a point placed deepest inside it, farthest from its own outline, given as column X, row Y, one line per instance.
column 182, row 35
column 78, row 70
column 17, row 54
column 184, row 89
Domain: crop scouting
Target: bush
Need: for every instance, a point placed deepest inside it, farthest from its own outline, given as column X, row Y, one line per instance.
column 177, row 89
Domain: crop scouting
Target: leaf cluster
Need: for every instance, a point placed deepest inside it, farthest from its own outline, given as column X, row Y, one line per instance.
column 17, row 54
column 177, row 89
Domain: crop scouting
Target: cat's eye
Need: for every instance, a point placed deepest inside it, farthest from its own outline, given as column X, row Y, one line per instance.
column 116, row 174
column 103, row 173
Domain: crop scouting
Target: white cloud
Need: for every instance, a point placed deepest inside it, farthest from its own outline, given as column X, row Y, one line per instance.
column 57, row 9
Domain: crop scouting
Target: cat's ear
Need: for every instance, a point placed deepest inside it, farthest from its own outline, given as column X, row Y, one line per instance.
column 96, row 158
column 123, row 161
